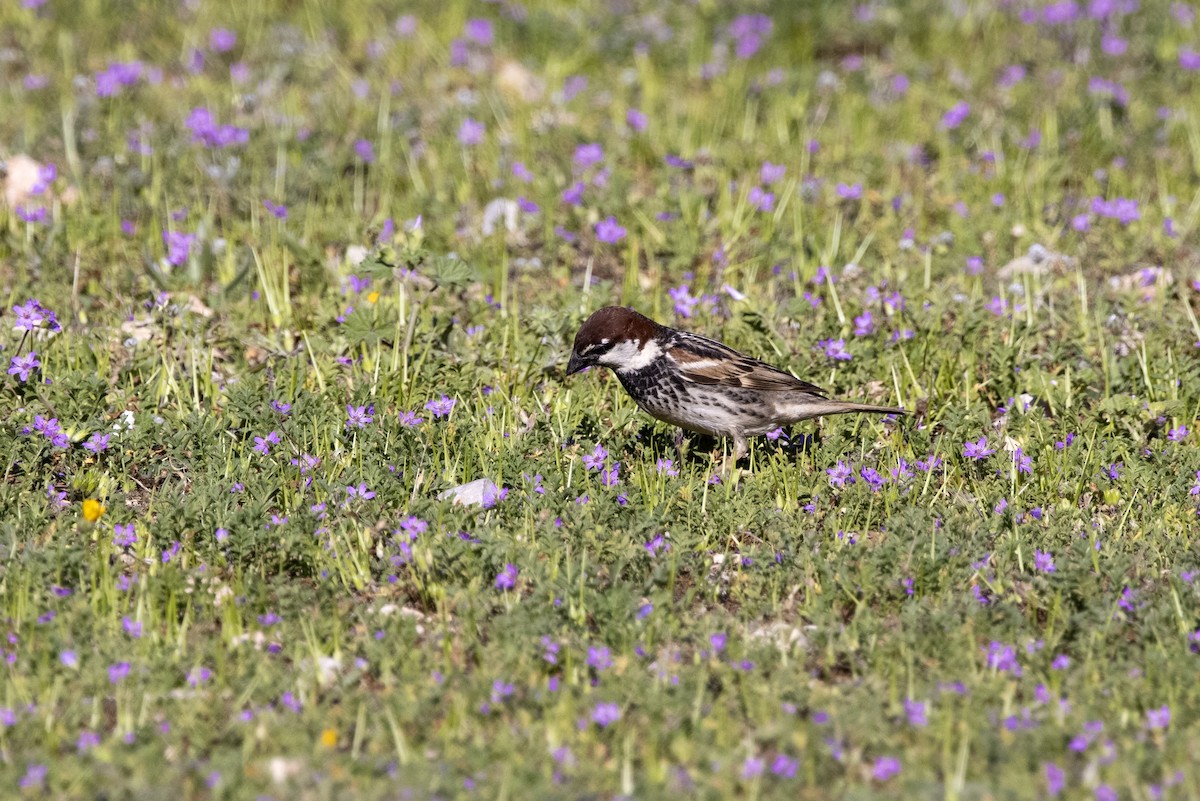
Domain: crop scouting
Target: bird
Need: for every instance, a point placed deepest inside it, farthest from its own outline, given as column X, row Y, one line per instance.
column 697, row 383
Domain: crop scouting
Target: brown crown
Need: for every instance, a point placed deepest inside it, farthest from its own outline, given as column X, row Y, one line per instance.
column 615, row 323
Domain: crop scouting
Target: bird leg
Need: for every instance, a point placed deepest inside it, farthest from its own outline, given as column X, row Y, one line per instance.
column 680, row 446
column 740, row 451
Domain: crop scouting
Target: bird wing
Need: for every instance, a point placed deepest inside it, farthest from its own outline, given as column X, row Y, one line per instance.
column 706, row 361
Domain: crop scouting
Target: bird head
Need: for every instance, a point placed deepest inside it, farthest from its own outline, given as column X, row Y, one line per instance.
column 613, row 337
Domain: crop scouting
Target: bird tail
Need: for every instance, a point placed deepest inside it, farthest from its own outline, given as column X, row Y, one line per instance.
column 819, row 408
column 846, row 406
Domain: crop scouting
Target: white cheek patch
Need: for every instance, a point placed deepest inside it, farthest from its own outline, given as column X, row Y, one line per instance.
column 631, row 355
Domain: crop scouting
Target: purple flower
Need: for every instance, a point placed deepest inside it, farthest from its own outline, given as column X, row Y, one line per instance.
column 835, row 349
column 501, row 690
column 872, row 478
column 179, row 246
column 1189, row 59
column 365, row 151
column 1061, row 12
column 1113, row 45
column 1002, row 658
column 124, row 535
column 784, row 767
column 506, row 579
column 35, row 776
column 471, row 132
column 607, row 230
column 1055, row 779
column 885, row 768
column 361, row 491
column 1158, row 718
column 864, row 325
column 636, row 120
column 771, row 173
column 956, row 115
column 117, row 75
column 849, row 191
column 414, row 526
column 977, row 450
column 31, row 314
column 277, row 210
column 917, row 713
column 492, row 495
column 587, row 155
column 666, row 467
column 206, row 131
column 117, row 672
column 1122, row 209
column 684, row 300
column 605, row 714
column 38, row 214
column 573, row 86
column 97, row 442
column 761, row 199
column 595, row 459
column 521, row 172
column 573, row 196
column 222, row 40
column 410, row 419
column 753, row 766
column 551, row 649
column 23, row 366
column 198, row 676
column 263, row 444
column 1110, row 90
column 748, row 32
column 657, row 545
column 1061, row 662
column 358, row 416
column 289, row 701
column 479, row 31
column 599, row 658
column 132, row 627
column 1043, row 561
column 441, row 407
column 612, row 476
column 840, row 474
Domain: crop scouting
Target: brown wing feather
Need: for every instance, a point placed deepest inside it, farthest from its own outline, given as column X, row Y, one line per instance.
column 706, row 361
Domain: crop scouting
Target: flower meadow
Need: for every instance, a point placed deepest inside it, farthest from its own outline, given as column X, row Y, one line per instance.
column 298, row 503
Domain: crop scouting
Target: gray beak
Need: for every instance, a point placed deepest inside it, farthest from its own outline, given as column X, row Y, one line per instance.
column 575, row 364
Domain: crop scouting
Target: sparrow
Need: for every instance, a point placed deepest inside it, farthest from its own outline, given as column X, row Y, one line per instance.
column 698, row 383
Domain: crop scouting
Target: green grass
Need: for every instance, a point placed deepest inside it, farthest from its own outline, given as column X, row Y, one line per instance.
column 263, row 631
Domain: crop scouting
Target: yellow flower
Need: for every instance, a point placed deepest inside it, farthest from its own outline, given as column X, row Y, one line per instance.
column 372, row 297
column 329, row 738
column 92, row 510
